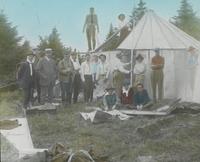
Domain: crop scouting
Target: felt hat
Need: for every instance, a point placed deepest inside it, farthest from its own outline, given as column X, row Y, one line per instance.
column 157, row 50
column 102, row 55
column 48, row 51
column 139, row 57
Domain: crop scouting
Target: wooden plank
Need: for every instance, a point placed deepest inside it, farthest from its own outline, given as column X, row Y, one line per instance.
column 50, row 108
column 137, row 112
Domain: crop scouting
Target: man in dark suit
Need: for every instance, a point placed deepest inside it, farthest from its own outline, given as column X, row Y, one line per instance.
column 48, row 72
column 26, row 78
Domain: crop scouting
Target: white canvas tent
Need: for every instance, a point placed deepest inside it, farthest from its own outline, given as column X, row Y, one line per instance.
column 154, row 32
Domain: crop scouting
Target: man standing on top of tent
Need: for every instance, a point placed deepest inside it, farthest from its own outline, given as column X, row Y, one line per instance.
column 91, row 25
column 157, row 65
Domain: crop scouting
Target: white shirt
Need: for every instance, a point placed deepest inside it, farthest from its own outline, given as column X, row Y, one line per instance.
column 120, row 66
column 103, row 69
column 76, row 64
column 139, row 68
column 122, row 24
column 30, row 65
column 85, row 69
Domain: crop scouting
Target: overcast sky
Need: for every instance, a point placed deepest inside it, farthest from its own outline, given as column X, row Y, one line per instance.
column 38, row 17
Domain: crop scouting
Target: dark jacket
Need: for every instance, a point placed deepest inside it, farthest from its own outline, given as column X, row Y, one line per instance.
column 66, row 70
column 141, row 98
column 47, row 71
column 24, row 79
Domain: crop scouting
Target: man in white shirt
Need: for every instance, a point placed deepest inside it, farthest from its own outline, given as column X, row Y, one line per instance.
column 87, row 79
column 102, row 76
column 139, row 70
column 76, row 84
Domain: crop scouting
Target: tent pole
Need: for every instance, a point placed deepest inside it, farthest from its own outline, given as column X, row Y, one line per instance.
column 132, row 67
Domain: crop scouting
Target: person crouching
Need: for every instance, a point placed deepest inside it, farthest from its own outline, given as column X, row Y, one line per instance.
column 110, row 98
column 127, row 94
column 141, row 97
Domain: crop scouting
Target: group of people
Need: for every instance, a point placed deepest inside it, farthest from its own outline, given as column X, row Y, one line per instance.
column 135, row 95
column 92, row 75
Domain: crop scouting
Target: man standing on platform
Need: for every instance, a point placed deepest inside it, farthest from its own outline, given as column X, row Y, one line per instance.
column 157, row 76
column 91, row 25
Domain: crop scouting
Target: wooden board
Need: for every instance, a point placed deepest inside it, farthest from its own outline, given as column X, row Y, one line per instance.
column 50, row 108
column 137, row 112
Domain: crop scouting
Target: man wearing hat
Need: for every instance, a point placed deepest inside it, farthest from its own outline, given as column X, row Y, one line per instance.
column 47, row 71
column 66, row 72
column 157, row 76
column 139, row 70
column 91, row 25
column 110, row 98
column 26, row 77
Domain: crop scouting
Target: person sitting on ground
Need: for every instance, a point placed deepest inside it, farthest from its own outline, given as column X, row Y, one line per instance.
column 127, row 94
column 141, row 97
column 110, row 98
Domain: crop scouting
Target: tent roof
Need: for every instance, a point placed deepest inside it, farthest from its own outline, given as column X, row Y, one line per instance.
column 154, row 32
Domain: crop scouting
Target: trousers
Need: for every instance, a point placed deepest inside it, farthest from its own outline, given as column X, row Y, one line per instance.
column 88, row 88
column 157, row 83
column 91, row 37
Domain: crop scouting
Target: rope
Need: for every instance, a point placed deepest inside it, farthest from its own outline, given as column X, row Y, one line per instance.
column 82, row 151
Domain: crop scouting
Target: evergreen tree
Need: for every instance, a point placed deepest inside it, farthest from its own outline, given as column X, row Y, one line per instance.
column 137, row 13
column 52, row 41
column 187, row 19
column 11, row 52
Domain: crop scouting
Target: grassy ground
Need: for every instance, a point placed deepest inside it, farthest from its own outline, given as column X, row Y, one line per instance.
column 10, row 105
column 173, row 138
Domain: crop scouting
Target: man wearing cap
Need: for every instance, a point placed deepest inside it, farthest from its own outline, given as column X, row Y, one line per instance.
column 26, row 77
column 47, row 71
column 139, row 70
column 91, row 25
column 76, row 84
column 87, row 79
column 157, row 76
column 66, row 72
